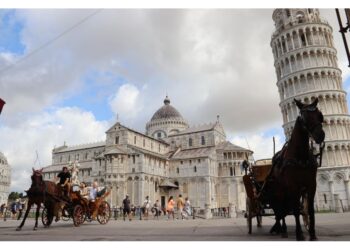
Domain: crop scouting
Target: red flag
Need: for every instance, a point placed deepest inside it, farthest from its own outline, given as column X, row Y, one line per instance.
column 2, row 103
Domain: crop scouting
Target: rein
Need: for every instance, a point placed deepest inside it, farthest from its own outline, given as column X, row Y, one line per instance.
column 320, row 154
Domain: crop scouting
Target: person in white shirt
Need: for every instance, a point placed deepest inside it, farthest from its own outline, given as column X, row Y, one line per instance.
column 146, row 207
column 92, row 197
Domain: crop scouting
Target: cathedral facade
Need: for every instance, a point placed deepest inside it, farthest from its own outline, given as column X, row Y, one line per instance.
column 169, row 159
column 307, row 68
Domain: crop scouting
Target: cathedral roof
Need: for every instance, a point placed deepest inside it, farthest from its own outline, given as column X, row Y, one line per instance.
column 228, row 146
column 194, row 153
column 166, row 111
column 200, row 128
column 79, row 147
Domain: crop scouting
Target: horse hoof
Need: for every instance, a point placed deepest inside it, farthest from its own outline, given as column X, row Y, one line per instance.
column 300, row 238
column 18, row 229
column 35, row 228
column 313, row 238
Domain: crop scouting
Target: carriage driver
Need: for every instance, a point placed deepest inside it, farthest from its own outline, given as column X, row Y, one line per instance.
column 63, row 185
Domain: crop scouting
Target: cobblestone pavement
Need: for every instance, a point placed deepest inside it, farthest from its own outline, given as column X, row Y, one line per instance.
column 330, row 227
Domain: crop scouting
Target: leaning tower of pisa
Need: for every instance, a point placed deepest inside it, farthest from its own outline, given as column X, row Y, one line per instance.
column 305, row 60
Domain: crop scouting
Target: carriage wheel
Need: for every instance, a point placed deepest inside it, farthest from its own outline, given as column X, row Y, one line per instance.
column 249, row 215
column 104, row 212
column 78, row 215
column 305, row 214
column 45, row 219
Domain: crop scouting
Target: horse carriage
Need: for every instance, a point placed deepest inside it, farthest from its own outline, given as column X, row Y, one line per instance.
column 74, row 206
column 79, row 209
column 258, row 196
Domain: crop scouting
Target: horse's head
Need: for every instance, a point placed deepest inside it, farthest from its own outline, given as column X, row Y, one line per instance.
column 37, row 176
column 312, row 118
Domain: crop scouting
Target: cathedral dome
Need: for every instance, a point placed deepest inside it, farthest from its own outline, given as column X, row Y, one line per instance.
column 165, row 121
column 166, row 112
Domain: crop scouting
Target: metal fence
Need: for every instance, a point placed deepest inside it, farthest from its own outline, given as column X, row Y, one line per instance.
column 138, row 213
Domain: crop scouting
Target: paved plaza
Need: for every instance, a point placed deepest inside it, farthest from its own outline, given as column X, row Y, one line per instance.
column 330, row 227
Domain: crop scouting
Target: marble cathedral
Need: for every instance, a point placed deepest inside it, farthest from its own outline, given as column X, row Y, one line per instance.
column 170, row 158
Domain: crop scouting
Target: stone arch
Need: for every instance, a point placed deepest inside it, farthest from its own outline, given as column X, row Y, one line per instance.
column 338, row 177
column 323, row 178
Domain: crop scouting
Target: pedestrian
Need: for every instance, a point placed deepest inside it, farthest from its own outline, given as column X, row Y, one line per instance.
column 156, row 209
column 132, row 210
column 187, row 208
column 170, row 207
column 126, row 207
column 2, row 210
column 14, row 209
column 146, row 207
column 20, row 209
column 180, row 206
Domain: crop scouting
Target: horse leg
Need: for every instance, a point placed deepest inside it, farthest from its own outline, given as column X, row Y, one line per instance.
column 299, row 232
column 276, row 228
column 284, row 228
column 311, row 211
column 37, row 215
column 25, row 216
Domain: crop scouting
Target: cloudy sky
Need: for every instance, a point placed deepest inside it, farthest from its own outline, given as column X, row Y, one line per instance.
column 66, row 74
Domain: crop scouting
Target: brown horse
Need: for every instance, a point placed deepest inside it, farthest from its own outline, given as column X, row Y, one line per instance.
column 40, row 192
column 293, row 176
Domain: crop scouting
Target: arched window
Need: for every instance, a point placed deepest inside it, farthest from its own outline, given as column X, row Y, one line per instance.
column 231, row 171
column 325, row 198
column 177, row 170
column 195, row 169
column 202, row 140
column 190, row 142
column 117, row 140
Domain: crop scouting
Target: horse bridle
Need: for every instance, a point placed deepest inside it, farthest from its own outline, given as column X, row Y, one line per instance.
column 309, row 131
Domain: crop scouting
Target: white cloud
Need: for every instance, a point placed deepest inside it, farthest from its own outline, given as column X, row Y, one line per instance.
column 260, row 143
column 126, row 102
column 42, row 133
column 209, row 61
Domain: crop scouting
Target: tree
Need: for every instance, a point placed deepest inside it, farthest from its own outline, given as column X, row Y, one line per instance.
column 15, row 195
